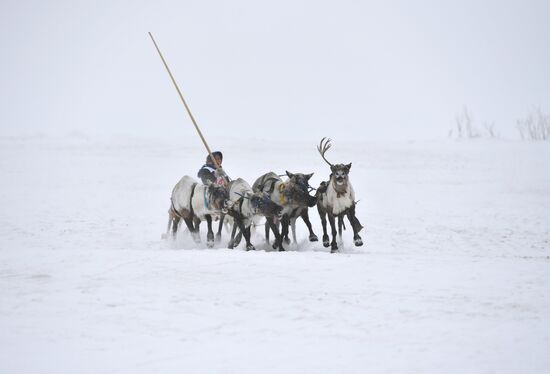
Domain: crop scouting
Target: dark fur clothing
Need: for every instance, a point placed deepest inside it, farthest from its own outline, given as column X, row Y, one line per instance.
column 207, row 174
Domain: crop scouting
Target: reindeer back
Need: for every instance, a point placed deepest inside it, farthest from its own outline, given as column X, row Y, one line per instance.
column 266, row 182
column 181, row 193
column 238, row 188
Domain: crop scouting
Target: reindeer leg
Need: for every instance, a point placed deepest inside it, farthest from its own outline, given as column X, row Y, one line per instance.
column 278, row 238
column 333, row 243
column 285, row 223
column 293, row 227
column 219, row 233
column 210, row 233
column 243, row 231
column 239, row 235
column 266, row 231
column 356, row 225
column 248, row 229
column 196, row 233
column 175, row 224
column 249, row 246
column 271, row 225
column 169, row 226
column 323, row 215
column 231, row 243
column 305, row 217
column 341, row 227
column 238, row 238
column 192, row 229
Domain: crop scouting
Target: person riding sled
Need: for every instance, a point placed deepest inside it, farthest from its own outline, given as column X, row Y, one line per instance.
column 208, row 172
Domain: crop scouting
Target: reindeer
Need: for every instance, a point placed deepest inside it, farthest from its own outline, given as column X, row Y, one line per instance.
column 293, row 196
column 193, row 202
column 336, row 198
column 301, row 182
column 245, row 205
column 290, row 220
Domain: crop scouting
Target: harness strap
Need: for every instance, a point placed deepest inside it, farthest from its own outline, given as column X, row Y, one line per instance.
column 174, row 210
column 281, row 188
column 191, row 199
column 265, row 182
column 273, row 180
column 241, row 202
column 205, row 202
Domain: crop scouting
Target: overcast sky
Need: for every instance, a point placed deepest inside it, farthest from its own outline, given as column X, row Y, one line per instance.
column 346, row 69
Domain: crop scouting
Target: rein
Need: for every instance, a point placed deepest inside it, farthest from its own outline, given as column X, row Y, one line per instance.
column 191, row 199
column 241, row 202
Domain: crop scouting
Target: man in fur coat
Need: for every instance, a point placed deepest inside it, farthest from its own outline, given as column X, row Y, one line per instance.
column 208, row 173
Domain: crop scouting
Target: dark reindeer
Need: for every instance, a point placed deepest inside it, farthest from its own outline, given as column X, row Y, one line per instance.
column 193, row 202
column 244, row 206
column 336, row 199
column 293, row 196
column 303, row 201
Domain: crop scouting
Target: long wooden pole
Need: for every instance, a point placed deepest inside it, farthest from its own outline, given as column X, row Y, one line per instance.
column 185, row 103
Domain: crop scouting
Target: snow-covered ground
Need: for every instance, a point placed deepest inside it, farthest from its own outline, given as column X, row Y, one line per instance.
column 454, row 276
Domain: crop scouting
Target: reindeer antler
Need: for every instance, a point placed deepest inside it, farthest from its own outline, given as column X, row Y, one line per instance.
column 323, row 147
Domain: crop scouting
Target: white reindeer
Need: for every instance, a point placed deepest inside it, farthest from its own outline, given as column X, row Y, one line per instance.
column 336, row 199
column 193, row 202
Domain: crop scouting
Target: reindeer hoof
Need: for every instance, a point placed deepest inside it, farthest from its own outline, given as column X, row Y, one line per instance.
column 230, row 245
column 210, row 244
column 282, row 249
column 326, row 241
column 313, row 238
column 287, row 241
column 250, row 247
column 333, row 247
column 358, row 242
column 334, row 250
column 218, row 238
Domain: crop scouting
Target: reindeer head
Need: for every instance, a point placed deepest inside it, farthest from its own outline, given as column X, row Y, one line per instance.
column 299, row 180
column 262, row 204
column 218, row 196
column 339, row 172
column 297, row 188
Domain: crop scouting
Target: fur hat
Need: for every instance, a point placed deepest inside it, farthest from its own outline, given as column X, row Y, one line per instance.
column 217, row 153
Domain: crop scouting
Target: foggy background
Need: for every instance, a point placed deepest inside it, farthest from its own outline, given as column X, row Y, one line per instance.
column 346, row 69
